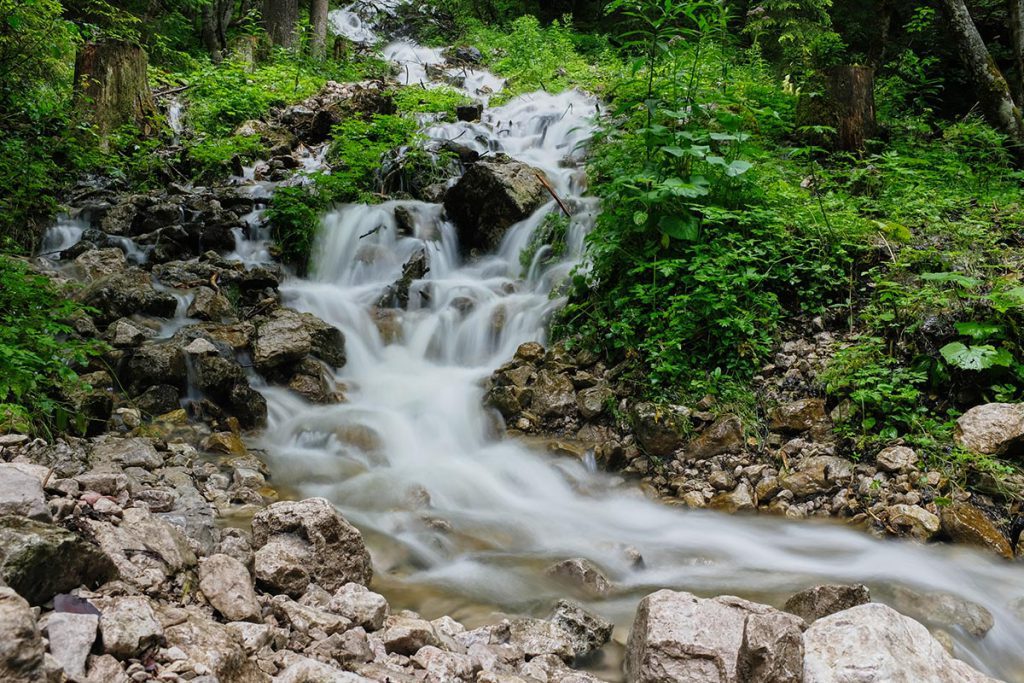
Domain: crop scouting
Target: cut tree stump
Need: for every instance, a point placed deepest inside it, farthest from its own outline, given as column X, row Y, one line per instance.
column 852, row 94
column 111, row 86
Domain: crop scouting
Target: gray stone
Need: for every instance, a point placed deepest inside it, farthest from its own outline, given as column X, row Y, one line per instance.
column 874, row 642
column 360, row 605
column 406, row 635
column 991, row 429
column 587, row 631
column 128, row 452
column 553, row 395
column 146, row 550
column 537, row 637
column 22, row 494
column 331, row 549
column 21, row 645
column 896, row 459
column 71, row 638
column 820, row 601
column 914, row 521
column 582, row 574
column 227, row 585
column 128, row 626
column 772, row 649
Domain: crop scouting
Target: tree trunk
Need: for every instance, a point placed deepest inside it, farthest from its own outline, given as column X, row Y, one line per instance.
column 852, row 93
column 111, row 87
column 1016, row 11
column 280, row 19
column 880, row 40
column 215, row 19
column 992, row 89
column 318, row 21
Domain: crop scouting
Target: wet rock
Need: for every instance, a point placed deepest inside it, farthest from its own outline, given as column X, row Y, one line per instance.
column 22, row 494
column 288, row 336
column 156, row 364
column 593, row 401
column 416, row 268
column 537, row 637
column 964, row 523
column 98, row 264
column 360, row 605
column 799, row 416
column 901, row 650
column 406, row 635
column 772, row 650
column 21, row 645
column 677, row 636
column 41, row 560
column 581, row 573
column 125, row 294
column 145, row 549
column 330, row 549
column 469, row 55
column 896, row 459
column 991, row 429
column 71, row 638
column 553, row 395
column 943, row 609
column 587, row 631
column 659, row 430
column 124, row 333
column 529, row 352
column 492, row 196
column 128, row 626
column 469, row 112
column 209, row 305
column 724, row 435
column 820, row 601
column 914, row 521
column 227, row 585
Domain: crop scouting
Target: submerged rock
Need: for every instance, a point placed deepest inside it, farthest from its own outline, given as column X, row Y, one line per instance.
column 820, row 601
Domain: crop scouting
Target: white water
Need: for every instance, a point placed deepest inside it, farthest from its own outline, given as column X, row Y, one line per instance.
column 174, row 111
column 66, row 233
column 460, row 519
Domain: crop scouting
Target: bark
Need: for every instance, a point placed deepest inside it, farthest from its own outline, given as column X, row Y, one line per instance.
column 111, row 87
column 993, row 91
column 852, row 93
column 318, row 20
column 1015, row 9
column 280, row 19
column 215, row 18
column 880, row 41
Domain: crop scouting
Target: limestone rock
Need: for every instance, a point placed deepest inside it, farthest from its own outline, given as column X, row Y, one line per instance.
column 331, row 550
column 40, row 560
column 128, row 626
column 406, row 635
column 874, row 642
column 360, row 605
column 227, row 585
column 553, row 395
column 214, row 646
column 127, row 452
column 914, row 521
column 71, row 638
column 145, row 549
column 281, row 565
column 896, row 459
column 724, row 435
column 21, row 645
column 991, row 429
column 965, row 523
column 587, row 631
column 799, row 416
column 581, row 573
column 659, row 430
column 820, row 601
column 817, row 474
column 22, row 494
column 537, row 637
column 772, row 649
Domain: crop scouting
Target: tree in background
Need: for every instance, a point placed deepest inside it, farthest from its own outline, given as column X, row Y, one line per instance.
column 280, row 19
column 318, row 23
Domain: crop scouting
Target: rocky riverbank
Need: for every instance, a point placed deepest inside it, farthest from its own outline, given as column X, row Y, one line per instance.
column 786, row 459
column 117, row 566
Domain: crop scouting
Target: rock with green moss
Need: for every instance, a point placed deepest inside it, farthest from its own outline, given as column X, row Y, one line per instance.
column 39, row 560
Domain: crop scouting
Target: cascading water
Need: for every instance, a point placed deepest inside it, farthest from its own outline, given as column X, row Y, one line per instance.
column 462, row 521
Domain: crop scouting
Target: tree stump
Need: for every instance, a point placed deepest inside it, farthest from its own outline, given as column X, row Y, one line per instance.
column 852, row 94
column 111, row 86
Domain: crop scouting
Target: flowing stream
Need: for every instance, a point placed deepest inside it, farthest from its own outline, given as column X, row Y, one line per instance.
column 462, row 521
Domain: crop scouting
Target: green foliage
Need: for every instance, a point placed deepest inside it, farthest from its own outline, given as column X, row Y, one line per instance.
column 417, row 100
column 796, row 35
column 549, row 236
column 37, row 47
column 211, row 156
column 38, row 351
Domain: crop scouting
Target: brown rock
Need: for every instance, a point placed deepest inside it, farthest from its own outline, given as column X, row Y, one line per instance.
column 965, row 523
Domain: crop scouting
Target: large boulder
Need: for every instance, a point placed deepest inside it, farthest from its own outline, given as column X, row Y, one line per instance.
column 992, row 429
column 40, row 560
column 125, row 294
column 21, row 645
column 288, row 336
column 492, row 196
column 677, row 636
column 21, row 493
column 328, row 549
column 873, row 643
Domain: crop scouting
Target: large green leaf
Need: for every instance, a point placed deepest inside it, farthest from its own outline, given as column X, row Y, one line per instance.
column 979, row 331
column 974, row 357
column 684, row 227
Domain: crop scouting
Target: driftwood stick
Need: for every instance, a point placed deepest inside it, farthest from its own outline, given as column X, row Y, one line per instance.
column 546, row 184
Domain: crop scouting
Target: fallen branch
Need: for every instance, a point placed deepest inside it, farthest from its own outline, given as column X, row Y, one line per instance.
column 554, row 194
